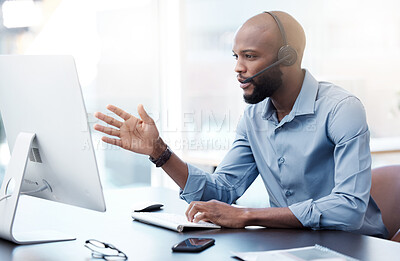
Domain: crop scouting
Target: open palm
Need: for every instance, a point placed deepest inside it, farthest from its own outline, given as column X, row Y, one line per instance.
column 134, row 134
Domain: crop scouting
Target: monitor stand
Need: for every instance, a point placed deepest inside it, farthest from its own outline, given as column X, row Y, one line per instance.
column 12, row 186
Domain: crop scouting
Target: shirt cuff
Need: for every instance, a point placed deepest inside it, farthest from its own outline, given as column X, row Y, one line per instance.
column 307, row 213
column 195, row 184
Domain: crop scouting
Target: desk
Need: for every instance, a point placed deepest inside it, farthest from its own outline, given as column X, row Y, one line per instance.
column 144, row 242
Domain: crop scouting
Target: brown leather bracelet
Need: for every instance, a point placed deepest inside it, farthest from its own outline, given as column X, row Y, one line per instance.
column 163, row 158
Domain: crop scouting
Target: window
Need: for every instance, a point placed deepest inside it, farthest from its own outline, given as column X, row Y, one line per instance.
column 354, row 44
column 175, row 57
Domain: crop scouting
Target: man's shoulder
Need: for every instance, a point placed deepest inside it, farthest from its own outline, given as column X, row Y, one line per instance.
column 343, row 109
column 332, row 93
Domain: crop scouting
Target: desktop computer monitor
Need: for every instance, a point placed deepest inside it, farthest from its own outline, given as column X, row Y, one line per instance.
column 47, row 130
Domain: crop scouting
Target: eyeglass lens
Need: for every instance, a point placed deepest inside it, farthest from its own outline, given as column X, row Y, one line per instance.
column 104, row 250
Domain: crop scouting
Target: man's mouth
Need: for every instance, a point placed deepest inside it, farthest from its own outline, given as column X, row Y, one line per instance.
column 245, row 85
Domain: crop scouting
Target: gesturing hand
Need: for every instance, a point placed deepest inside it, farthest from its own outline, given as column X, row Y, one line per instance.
column 137, row 135
column 217, row 212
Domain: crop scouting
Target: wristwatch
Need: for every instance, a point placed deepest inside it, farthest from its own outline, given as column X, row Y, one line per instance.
column 160, row 161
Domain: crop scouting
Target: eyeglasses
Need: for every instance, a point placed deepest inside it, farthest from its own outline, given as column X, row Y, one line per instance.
column 104, row 251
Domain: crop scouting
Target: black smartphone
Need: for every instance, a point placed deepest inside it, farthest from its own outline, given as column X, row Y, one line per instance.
column 193, row 245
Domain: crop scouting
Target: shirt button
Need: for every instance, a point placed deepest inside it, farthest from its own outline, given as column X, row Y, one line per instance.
column 288, row 193
column 281, row 160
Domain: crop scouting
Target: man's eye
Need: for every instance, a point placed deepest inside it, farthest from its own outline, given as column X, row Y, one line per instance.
column 249, row 56
column 235, row 56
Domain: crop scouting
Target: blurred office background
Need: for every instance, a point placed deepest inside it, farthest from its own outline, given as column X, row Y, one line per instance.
column 174, row 56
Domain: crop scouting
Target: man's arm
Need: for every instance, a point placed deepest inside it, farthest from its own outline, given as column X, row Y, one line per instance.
column 140, row 136
column 174, row 167
column 232, row 177
column 344, row 208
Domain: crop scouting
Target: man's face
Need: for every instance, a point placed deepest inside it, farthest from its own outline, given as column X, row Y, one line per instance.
column 255, row 49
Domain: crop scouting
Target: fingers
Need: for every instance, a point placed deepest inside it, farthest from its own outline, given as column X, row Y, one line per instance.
column 121, row 113
column 112, row 141
column 188, row 210
column 108, row 119
column 200, row 217
column 194, row 208
column 143, row 114
column 197, row 211
column 107, row 130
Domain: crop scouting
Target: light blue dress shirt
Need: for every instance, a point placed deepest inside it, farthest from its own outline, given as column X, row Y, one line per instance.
column 316, row 161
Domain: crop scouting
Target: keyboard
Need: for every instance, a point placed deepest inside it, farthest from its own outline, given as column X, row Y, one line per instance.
column 171, row 221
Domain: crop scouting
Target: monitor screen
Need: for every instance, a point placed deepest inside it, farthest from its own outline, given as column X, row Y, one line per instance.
column 42, row 95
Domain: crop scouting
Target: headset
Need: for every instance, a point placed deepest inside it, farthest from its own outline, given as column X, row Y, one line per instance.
column 287, row 55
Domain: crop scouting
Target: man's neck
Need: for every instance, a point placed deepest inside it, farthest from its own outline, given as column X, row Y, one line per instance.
column 285, row 97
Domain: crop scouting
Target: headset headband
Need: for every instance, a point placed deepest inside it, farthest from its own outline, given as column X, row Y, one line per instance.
column 280, row 26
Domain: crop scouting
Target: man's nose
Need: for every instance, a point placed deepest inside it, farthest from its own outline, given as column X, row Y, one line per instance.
column 240, row 68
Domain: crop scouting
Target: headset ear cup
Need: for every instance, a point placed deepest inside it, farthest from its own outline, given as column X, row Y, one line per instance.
column 290, row 53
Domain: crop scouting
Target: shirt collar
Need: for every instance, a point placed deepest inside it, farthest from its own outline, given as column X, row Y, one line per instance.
column 305, row 101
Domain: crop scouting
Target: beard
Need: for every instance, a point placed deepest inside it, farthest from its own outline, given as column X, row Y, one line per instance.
column 265, row 86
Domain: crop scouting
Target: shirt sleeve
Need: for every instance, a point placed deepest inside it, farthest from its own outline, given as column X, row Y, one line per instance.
column 231, row 178
column 344, row 208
